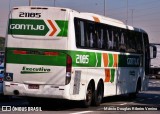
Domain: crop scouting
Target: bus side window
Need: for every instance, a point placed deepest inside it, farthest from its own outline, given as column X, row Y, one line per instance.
column 110, row 38
column 134, row 46
column 82, row 44
column 80, row 33
column 100, row 36
column 115, row 39
column 77, row 32
column 91, row 35
column 131, row 42
column 108, row 44
column 105, row 38
column 122, row 44
column 138, row 38
column 147, row 53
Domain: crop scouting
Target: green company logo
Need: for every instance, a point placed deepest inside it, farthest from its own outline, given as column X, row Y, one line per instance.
column 26, row 70
column 28, row 27
column 38, row 27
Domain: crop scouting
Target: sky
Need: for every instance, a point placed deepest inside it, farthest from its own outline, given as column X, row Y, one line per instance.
column 144, row 14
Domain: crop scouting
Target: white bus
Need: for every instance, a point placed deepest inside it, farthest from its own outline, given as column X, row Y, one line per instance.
column 60, row 53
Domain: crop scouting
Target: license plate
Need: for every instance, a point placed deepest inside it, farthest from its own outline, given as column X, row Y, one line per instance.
column 33, row 86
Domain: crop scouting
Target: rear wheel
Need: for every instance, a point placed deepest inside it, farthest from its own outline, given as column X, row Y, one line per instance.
column 89, row 96
column 98, row 94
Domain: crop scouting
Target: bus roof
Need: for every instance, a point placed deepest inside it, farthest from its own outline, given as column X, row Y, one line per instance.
column 113, row 22
column 87, row 15
column 103, row 17
column 42, row 7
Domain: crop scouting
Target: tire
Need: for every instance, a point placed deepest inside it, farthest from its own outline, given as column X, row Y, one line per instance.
column 138, row 88
column 98, row 94
column 89, row 96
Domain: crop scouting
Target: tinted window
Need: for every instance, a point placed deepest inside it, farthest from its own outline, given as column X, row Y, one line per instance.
column 93, row 35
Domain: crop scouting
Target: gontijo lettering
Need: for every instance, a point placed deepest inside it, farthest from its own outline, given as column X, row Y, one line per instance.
column 133, row 61
column 27, row 27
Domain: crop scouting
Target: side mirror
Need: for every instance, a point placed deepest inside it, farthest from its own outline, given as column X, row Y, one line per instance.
column 153, row 51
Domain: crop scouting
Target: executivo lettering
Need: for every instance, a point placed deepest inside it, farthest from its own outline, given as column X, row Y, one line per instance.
column 27, row 70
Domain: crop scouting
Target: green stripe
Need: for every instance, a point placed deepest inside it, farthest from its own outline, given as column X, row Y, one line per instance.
column 99, row 56
column 112, row 75
column 77, row 55
column 63, row 25
column 59, row 60
column 94, row 59
column 110, row 60
column 130, row 60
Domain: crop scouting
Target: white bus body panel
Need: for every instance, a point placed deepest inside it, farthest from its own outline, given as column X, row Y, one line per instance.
column 52, row 84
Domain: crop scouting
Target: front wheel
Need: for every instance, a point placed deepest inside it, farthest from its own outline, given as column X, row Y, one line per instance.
column 138, row 88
